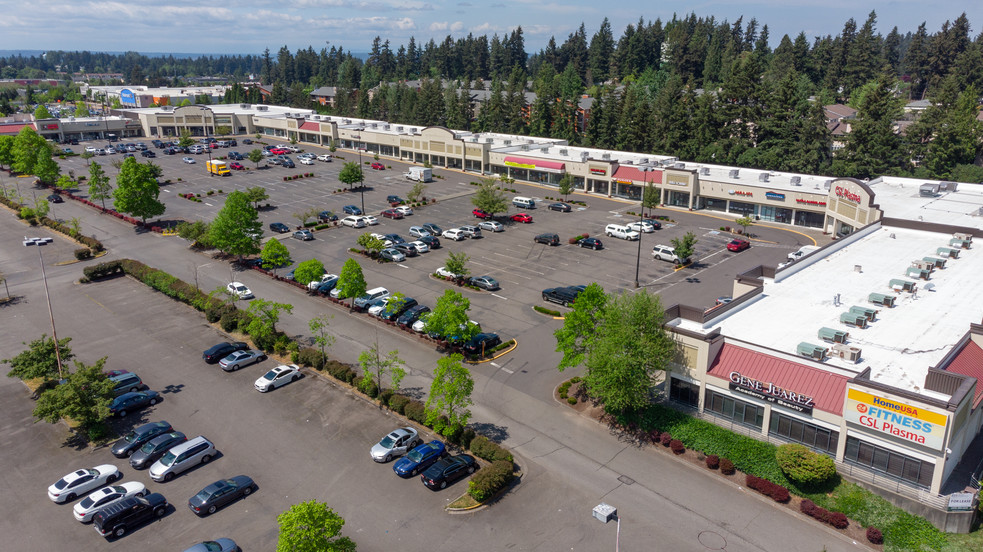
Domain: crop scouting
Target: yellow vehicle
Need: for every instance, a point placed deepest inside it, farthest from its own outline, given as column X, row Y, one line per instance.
column 220, row 168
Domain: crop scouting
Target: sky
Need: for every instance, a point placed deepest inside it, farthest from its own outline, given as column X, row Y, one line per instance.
column 250, row 26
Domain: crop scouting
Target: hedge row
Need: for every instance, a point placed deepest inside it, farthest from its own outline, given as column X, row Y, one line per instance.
column 485, row 449
column 836, row 519
column 93, row 244
column 486, row 482
column 767, row 488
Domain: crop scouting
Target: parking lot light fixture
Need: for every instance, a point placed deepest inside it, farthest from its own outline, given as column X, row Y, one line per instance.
column 641, row 214
column 361, row 175
column 38, row 242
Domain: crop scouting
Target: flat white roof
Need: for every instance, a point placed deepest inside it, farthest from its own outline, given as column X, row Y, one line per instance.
column 904, row 341
column 900, row 198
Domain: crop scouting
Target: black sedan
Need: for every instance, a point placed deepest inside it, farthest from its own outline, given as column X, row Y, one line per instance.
column 152, row 450
column 592, row 243
column 135, row 439
column 431, row 241
column 407, row 319
column 279, row 227
column 129, row 402
column 220, row 493
column 482, row 343
column 448, row 470
column 655, row 224
column 561, row 207
column 217, row 352
column 327, row 216
column 55, row 198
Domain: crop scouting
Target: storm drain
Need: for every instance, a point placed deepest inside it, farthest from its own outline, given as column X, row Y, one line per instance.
column 626, row 480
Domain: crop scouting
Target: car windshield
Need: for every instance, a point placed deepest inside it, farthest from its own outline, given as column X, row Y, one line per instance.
column 148, row 447
column 130, row 437
column 167, row 459
column 270, row 375
column 387, row 442
column 416, row 455
column 241, row 288
column 204, row 494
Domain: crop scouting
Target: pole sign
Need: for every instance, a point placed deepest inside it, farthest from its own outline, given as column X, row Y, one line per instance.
column 910, row 423
column 767, row 391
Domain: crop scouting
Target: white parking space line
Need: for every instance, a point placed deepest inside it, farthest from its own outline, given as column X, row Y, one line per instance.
column 401, row 265
column 500, row 297
column 207, row 203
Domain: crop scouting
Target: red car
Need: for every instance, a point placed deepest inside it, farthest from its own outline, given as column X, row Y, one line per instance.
column 392, row 213
column 236, row 166
column 738, row 245
column 378, row 167
column 480, row 214
column 279, row 151
column 522, row 217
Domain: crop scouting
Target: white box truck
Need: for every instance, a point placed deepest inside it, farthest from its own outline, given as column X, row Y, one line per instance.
column 420, row 174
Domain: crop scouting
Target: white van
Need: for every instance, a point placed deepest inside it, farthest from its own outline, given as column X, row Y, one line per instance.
column 620, row 231
column 524, row 202
column 181, row 458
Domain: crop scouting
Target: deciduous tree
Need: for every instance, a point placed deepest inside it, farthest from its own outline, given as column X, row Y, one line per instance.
column 489, row 198
column 350, row 174
column 236, row 229
column 376, row 366
column 256, row 194
column 449, row 317
column 319, row 327
column 351, row 281
column 275, row 255
column 83, row 398
column 255, row 156
column 309, row 271
column 137, row 191
column 265, row 315
column 39, row 359
column 312, row 527
column 457, row 263
column 684, row 247
column 450, row 395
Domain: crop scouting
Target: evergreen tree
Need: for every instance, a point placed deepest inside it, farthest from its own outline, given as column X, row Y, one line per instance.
column 600, row 52
column 873, row 147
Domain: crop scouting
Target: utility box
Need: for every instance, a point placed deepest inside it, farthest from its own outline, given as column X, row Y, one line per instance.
column 881, row 299
column 833, row 336
column 605, row 512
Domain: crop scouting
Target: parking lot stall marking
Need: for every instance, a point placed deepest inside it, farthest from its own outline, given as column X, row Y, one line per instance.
column 499, row 296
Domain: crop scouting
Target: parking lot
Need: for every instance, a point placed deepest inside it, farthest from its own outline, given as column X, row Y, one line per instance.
column 310, row 439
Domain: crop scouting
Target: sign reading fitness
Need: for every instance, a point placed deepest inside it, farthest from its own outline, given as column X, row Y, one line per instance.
column 767, row 391
column 916, row 425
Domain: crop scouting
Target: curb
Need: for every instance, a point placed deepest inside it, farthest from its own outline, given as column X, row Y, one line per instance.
column 515, row 343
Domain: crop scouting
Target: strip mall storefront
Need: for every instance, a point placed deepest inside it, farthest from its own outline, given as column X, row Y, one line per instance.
column 531, row 170
column 782, row 400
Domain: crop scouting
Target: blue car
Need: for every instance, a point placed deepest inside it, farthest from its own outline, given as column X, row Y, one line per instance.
column 419, row 459
column 352, row 210
column 130, row 402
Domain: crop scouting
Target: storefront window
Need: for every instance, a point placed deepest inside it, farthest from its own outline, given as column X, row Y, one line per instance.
column 799, row 431
column 578, row 183
column 684, row 392
column 739, row 411
column 599, row 186
column 775, row 214
column 809, row 220
column 712, row 204
column 679, row 199
column 889, row 462
column 741, row 208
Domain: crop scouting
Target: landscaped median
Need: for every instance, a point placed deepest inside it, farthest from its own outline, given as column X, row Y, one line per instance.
column 791, row 475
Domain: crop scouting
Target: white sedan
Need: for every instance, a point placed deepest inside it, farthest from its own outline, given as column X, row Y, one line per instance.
column 354, row 221
column 419, row 324
column 324, row 278
column 442, row 271
column 277, row 377
column 238, row 289
column 407, row 211
column 306, row 161
column 370, row 220
column 82, row 481
column 491, row 226
column 324, row 157
column 88, row 506
column 420, row 246
column 188, row 160
column 376, row 310
column 641, row 227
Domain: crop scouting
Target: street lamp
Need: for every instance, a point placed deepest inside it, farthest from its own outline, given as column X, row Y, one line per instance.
column 39, row 242
column 641, row 214
column 361, row 175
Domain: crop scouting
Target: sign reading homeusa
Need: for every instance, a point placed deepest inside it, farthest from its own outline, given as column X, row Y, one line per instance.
column 915, row 425
column 775, row 195
column 767, row 391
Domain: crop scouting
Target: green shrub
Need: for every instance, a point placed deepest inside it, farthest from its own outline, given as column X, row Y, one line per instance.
column 571, row 400
column 103, row 270
column 467, row 435
column 398, row 403
column 309, row 356
column 229, row 321
column 487, row 450
column 544, row 310
column 415, row 411
column 488, row 481
column 564, row 388
column 215, row 311
column 83, row 253
column 368, row 386
column 804, row 466
column 384, row 396
column 97, row 431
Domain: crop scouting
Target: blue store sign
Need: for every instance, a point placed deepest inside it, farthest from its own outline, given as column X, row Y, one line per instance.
column 773, row 195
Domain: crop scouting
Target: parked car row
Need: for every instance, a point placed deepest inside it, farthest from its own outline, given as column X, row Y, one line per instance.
column 431, row 461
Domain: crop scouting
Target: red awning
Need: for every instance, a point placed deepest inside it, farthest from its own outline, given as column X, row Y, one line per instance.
column 538, row 163
column 969, row 362
column 308, row 125
column 827, row 389
column 14, row 129
column 632, row 174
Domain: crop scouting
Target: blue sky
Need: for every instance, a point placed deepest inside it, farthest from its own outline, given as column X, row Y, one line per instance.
column 249, row 26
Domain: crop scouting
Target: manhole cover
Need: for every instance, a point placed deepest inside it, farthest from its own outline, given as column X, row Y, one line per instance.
column 626, row 480
column 712, row 541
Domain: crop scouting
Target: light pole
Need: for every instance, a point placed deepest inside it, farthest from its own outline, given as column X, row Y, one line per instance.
column 361, row 175
column 39, row 242
column 641, row 214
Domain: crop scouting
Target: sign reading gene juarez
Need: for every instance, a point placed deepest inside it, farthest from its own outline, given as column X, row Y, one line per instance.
column 767, row 391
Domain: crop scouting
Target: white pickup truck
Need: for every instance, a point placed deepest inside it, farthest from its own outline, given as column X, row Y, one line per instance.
column 802, row 252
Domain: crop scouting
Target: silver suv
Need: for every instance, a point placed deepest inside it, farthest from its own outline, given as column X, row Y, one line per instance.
column 667, row 253
column 182, row 458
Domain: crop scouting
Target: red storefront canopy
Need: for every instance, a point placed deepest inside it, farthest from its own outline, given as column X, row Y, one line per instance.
column 625, row 173
column 308, row 125
column 538, row 163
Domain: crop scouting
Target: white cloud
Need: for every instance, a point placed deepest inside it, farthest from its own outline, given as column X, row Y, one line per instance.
column 404, row 24
column 439, row 26
column 457, row 26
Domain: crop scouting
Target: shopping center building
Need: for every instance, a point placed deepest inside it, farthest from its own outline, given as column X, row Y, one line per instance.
column 869, row 350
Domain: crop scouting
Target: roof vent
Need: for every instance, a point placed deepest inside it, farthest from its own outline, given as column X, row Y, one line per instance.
column 564, row 152
column 734, row 173
column 948, row 186
column 795, row 181
column 846, row 352
column 705, row 171
column 606, row 156
column 827, row 184
column 679, row 165
column 763, row 177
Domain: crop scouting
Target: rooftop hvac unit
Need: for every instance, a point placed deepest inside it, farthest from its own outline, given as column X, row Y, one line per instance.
column 947, row 252
column 734, row 173
column 347, row 121
column 643, row 161
column 374, row 125
column 853, row 319
column 963, row 236
column 385, row 127
column 584, row 156
column 827, row 184
column 937, row 262
column 563, row 152
column 846, row 352
column 244, row 106
column 474, row 139
column 508, row 142
column 897, row 284
column 882, row 299
column 867, row 312
column 489, row 140
column 817, row 352
column 544, row 149
column 705, row 171
column 929, row 189
column 763, row 177
column 524, row 147
column 923, row 264
column 961, row 244
column 262, row 108
column 679, row 165
column 795, row 181
column 948, row 186
column 606, row 156
column 399, row 128
column 833, row 336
